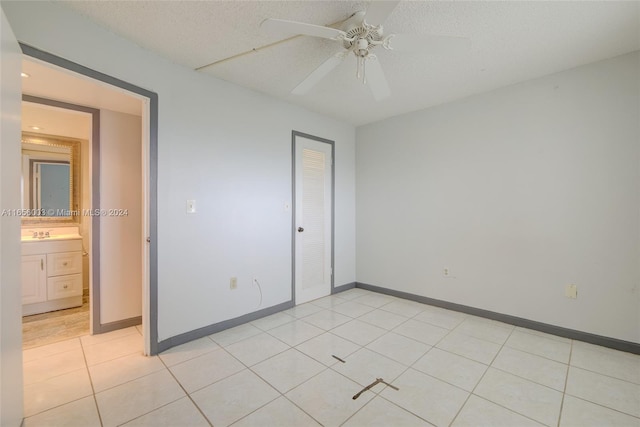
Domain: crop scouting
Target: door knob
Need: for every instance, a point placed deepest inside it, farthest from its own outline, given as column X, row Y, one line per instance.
column 300, row 229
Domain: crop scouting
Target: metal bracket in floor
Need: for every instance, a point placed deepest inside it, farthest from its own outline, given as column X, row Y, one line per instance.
column 337, row 358
column 373, row 384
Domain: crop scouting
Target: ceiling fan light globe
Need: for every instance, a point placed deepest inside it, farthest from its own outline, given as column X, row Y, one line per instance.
column 363, row 44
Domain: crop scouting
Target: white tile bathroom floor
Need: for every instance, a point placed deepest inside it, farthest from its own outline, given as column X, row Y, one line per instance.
column 451, row 369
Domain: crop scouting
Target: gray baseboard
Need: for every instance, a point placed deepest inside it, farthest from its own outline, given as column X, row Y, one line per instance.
column 573, row 334
column 221, row 326
column 120, row 324
column 343, row 288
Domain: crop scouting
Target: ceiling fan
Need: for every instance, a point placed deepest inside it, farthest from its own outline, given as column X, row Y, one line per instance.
column 361, row 34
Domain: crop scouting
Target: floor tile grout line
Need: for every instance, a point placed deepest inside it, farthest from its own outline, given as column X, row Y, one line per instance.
column 472, row 393
column 46, row 356
column 529, row 379
column 507, row 409
column 506, row 344
column 496, row 403
column 546, row 335
column 387, row 331
column 603, row 406
column 129, row 381
column 445, row 381
column 105, row 341
column 264, row 380
column 454, row 385
column 324, row 367
column 605, row 375
column 39, row 362
column 58, row 406
column 273, row 327
column 452, row 330
column 358, row 410
column 126, row 382
column 302, row 409
column 93, row 390
column 209, row 384
column 281, row 394
column 566, row 381
column 235, row 342
column 333, row 327
column 433, row 324
column 84, row 367
column 394, row 360
column 479, row 380
column 187, row 394
column 159, row 355
column 301, row 342
column 407, row 410
column 379, row 354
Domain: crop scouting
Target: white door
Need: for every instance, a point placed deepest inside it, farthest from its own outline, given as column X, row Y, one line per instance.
column 313, row 218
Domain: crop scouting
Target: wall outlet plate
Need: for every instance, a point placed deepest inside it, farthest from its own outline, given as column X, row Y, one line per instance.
column 571, row 291
column 233, row 283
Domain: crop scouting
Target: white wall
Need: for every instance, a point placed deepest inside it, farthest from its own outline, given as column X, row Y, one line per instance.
column 120, row 236
column 10, row 289
column 226, row 147
column 518, row 192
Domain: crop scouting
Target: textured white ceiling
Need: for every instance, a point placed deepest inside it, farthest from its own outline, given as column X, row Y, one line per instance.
column 510, row 42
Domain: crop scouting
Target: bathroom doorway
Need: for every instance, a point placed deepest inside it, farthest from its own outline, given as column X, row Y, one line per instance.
column 108, row 309
column 55, row 234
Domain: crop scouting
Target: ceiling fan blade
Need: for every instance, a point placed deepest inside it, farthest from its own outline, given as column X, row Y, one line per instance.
column 293, row 27
column 319, row 73
column 427, row 43
column 379, row 11
column 376, row 79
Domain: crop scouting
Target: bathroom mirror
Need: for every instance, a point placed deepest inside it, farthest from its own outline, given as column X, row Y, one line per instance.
column 50, row 179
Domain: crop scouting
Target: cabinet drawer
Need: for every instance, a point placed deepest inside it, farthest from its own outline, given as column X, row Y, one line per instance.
column 64, row 263
column 64, row 286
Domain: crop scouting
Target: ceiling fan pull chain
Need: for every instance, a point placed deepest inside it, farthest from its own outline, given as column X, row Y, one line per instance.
column 364, row 70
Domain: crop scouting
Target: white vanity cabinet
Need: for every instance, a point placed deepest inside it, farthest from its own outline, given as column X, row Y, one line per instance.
column 34, row 279
column 51, row 275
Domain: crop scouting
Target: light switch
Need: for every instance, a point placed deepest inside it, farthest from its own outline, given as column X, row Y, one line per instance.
column 191, row 206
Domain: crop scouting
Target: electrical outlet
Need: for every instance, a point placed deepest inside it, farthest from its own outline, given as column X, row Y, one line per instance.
column 571, row 291
column 446, row 272
column 233, row 283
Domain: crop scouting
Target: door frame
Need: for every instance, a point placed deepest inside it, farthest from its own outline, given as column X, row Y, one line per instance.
column 150, row 192
column 295, row 134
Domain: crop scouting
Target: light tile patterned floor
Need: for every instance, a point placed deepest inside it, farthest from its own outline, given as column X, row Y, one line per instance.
column 451, row 370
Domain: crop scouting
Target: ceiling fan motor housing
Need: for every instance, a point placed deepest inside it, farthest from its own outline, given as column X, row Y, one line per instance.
column 362, row 39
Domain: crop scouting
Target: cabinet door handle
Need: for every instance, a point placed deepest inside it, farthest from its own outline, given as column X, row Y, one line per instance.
column 41, row 264
column 64, row 263
column 65, row 286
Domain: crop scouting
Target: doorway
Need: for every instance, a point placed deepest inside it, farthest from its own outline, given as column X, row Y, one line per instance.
column 147, row 237
column 313, row 195
column 58, row 306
